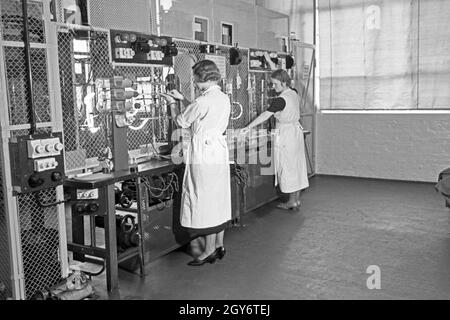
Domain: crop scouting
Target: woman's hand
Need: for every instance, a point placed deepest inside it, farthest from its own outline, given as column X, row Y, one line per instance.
column 176, row 95
column 169, row 98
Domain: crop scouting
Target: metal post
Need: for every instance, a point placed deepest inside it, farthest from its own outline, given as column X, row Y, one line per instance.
column 112, row 272
column 26, row 40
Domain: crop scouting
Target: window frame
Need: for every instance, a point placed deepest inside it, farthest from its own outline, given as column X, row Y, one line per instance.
column 207, row 28
column 229, row 24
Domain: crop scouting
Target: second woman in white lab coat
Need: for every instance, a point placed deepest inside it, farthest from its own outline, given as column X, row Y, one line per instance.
column 206, row 194
column 289, row 154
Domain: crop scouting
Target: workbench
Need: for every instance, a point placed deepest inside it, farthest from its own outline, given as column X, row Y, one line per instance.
column 103, row 184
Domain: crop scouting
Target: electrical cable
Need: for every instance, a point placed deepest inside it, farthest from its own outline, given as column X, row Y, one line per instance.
column 48, row 205
column 241, row 175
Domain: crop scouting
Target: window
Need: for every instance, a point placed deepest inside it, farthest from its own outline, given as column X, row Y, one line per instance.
column 227, row 34
column 372, row 60
column 75, row 11
column 201, row 29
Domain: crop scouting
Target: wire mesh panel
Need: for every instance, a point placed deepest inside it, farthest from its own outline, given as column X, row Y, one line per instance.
column 16, row 74
column 85, row 130
column 188, row 55
column 261, row 96
column 70, row 113
column 132, row 15
column 237, row 75
column 12, row 21
column 159, row 198
column 93, row 141
column 39, row 238
column 236, row 78
column 83, row 59
column 151, row 122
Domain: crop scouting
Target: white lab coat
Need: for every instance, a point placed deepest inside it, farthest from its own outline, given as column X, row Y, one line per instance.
column 291, row 172
column 206, row 194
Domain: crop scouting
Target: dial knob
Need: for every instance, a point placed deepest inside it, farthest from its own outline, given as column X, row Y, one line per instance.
column 57, row 176
column 39, row 149
column 58, row 147
column 35, row 181
column 81, row 208
column 93, row 207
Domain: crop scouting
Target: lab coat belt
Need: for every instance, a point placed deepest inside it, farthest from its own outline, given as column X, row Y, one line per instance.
column 209, row 138
column 284, row 124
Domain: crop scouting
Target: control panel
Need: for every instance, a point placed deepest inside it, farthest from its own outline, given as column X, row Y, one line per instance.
column 37, row 162
column 114, row 94
column 45, row 164
column 257, row 61
column 87, row 201
column 41, row 148
column 134, row 47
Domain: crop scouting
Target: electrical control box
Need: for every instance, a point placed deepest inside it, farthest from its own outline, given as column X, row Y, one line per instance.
column 135, row 47
column 257, row 61
column 37, row 162
column 86, row 201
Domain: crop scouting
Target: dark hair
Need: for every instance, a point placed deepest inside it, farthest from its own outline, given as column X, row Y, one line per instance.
column 206, row 70
column 282, row 76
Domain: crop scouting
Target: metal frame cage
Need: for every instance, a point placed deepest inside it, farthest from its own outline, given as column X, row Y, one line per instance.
column 32, row 250
column 87, row 131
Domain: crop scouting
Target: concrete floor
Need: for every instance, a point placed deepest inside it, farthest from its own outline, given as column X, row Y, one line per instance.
column 321, row 252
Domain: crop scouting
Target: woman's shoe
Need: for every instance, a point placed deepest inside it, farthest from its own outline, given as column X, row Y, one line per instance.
column 285, row 206
column 209, row 259
column 220, row 252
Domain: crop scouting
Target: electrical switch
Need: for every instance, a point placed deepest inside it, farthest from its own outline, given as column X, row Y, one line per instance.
column 39, row 149
column 49, row 148
column 59, row 147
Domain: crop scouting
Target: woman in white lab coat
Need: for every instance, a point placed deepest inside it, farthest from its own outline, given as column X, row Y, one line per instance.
column 206, row 193
column 289, row 151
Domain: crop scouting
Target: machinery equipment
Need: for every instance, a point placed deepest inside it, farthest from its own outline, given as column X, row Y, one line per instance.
column 37, row 162
column 127, row 230
column 443, row 185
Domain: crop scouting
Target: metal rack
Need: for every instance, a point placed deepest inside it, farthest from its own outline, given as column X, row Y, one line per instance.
column 34, row 249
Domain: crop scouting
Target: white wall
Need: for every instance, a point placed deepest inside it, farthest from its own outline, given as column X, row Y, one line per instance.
column 254, row 26
column 301, row 17
column 413, row 147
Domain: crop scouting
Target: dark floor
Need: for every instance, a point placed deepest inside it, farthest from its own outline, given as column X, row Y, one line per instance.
column 321, row 252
